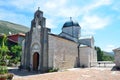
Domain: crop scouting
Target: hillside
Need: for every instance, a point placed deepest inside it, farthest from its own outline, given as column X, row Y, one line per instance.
column 108, row 53
column 6, row 27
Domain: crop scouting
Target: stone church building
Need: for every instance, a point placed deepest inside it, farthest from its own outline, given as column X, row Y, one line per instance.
column 43, row 50
column 117, row 56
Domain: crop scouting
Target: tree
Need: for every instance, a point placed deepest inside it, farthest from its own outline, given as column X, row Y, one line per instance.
column 16, row 52
column 3, row 49
column 101, row 55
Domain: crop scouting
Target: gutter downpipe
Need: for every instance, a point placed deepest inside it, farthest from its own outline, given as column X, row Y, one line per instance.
column 78, row 64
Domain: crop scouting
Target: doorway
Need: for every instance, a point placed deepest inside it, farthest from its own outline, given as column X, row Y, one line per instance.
column 35, row 61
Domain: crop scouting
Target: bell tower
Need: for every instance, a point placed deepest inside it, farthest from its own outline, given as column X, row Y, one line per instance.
column 39, row 21
column 36, row 44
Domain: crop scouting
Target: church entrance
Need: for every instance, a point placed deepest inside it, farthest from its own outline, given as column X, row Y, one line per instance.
column 35, row 61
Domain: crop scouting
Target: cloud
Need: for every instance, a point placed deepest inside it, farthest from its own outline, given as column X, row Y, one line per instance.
column 50, row 23
column 14, row 17
column 94, row 22
column 116, row 5
column 19, row 4
column 54, row 4
column 109, row 48
column 95, row 4
column 86, row 32
column 55, row 10
column 91, row 23
column 69, row 12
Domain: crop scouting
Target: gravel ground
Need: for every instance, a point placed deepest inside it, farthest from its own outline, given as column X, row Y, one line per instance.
column 72, row 74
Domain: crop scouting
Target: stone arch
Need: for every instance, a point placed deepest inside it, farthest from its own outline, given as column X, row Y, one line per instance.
column 35, row 48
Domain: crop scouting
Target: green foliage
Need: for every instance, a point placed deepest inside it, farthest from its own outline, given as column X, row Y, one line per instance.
column 53, row 70
column 101, row 55
column 2, row 63
column 3, row 49
column 0, row 41
column 9, row 56
column 16, row 51
column 4, row 73
column 108, row 58
column 3, row 70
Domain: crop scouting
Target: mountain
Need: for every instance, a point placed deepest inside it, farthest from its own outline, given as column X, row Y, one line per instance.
column 108, row 53
column 9, row 27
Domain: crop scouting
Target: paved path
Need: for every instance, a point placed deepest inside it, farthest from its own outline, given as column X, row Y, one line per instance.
column 71, row 74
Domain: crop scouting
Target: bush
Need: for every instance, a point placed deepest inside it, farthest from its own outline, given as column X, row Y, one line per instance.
column 3, row 70
column 2, row 63
column 53, row 70
column 4, row 73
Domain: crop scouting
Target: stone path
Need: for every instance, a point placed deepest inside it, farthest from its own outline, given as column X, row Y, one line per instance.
column 72, row 74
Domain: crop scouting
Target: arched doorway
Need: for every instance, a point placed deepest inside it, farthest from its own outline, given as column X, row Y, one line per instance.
column 35, row 61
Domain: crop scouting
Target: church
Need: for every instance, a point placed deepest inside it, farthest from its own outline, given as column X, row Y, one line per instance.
column 117, row 57
column 43, row 50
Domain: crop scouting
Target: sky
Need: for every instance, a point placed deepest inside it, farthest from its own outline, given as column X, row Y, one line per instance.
column 98, row 18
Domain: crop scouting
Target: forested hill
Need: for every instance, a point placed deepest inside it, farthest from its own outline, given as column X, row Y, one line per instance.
column 104, row 56
column 108, row 53
column 9, row 27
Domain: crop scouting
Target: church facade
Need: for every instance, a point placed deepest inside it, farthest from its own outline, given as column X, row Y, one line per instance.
column 43, row 50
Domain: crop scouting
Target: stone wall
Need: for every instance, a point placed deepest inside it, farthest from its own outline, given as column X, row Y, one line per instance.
column 117, row 57
column 85, row 56
column 88, row 56
column 63, row 53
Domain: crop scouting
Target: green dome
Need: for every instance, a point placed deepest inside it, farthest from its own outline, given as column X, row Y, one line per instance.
column 70, row 24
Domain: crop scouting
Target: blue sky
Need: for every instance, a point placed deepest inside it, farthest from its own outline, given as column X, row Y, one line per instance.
column 100, row 18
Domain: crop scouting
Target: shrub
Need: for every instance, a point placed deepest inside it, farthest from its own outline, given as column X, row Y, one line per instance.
column 3, row 70
column 2, row 63
column 53, row 70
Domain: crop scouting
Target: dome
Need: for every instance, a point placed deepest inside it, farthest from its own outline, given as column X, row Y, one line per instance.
column 71, row 23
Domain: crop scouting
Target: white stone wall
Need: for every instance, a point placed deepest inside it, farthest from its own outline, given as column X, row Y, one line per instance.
column 88, row 56
column 85, row 53
column 62, row 53
column 93, row 57
column 87, row 41
column 117, row 57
